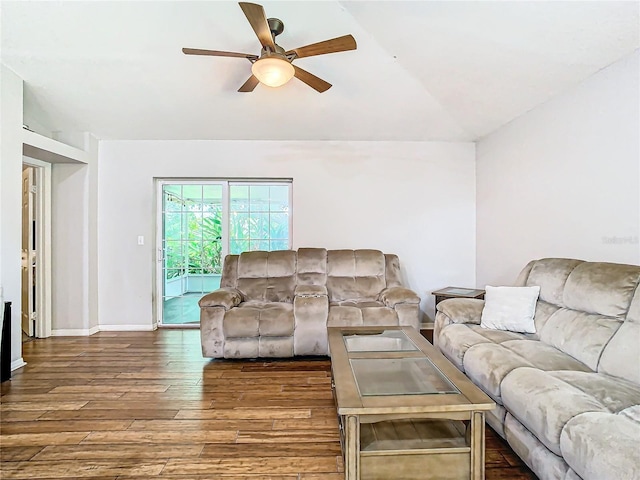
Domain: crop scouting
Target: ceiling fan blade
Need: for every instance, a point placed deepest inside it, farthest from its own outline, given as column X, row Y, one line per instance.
column 310, row 79
column 339, row 44
column 249, row 85
column 258, row 20
column 217, row 53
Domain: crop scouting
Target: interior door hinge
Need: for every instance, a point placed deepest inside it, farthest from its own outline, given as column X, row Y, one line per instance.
column 33, row 189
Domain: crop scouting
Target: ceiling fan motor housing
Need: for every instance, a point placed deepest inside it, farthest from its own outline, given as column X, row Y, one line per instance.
column 276, row 26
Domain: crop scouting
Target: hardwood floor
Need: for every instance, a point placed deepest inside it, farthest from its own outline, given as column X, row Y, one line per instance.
column 142, row 405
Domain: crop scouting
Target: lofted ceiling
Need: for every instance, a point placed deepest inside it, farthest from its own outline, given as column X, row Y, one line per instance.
column 423, row 70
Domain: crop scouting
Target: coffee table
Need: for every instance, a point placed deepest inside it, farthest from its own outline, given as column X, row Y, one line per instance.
column 405, row 411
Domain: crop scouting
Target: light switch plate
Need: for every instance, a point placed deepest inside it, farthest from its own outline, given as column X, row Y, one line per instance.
column 140, row 240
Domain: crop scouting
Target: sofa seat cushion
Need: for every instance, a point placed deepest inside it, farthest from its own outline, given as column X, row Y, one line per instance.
column 487, row 364
column 350, row 313
column 544, row 403
column 545, row 357
column 457, row 338
column 601, row 446
column 615, row 394
column 253, row 319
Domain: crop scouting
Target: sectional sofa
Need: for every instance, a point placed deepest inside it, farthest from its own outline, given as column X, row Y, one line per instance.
column 568, row 396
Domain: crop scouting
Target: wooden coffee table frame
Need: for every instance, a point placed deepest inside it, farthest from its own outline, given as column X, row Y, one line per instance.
column 458, row 453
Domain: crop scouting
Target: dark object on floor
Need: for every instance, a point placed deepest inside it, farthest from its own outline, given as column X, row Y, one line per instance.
column 5, row 347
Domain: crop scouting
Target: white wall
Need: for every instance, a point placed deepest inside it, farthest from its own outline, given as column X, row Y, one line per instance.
column 563, row 180
column 70, row 302
column 10, row 202
column 415, row 199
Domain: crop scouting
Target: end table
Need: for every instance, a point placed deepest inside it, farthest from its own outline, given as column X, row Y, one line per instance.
column 457, row 292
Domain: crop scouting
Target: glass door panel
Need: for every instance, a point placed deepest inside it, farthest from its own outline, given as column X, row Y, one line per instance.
column 191, row 247
column 259, row 217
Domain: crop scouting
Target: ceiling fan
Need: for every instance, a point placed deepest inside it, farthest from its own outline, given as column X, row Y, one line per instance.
column 273, row 66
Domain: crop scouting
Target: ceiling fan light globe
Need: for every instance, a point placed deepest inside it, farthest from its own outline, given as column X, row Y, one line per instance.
column 273, row 71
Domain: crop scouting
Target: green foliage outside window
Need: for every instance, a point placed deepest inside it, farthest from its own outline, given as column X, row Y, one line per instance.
column 193, row 228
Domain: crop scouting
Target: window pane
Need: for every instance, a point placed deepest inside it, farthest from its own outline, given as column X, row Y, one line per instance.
column 172, row 198
column 173, row 255
column 279, row 198
column 212, row 256
column 211, row 226
column 173, row 273
column 240, row 226
column 172, row 226
column 195, row 257
column 239, row 196
column 192, row 193
column 279, row 245
column 238, row 246
column 259, row 198
column 194, row 225
column 259, row 245
column 279, row 226
column 259, row 226
column 212, row 194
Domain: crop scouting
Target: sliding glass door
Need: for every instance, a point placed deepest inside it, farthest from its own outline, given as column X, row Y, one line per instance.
column 199, row 223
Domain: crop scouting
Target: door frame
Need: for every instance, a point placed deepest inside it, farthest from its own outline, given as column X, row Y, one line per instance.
column 42, row 174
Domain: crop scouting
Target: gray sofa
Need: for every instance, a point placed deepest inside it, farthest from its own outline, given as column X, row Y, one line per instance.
column 568, row 396
column 279, row 304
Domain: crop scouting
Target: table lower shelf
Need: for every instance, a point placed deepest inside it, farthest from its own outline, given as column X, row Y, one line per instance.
column 414, row 448
column 412, row 434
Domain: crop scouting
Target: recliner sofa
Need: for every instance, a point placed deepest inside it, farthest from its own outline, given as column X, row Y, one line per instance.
column 279, row 304
column 568, row 396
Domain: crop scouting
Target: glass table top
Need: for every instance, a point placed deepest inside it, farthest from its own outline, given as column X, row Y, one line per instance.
column 399, row 376
column 387, row 341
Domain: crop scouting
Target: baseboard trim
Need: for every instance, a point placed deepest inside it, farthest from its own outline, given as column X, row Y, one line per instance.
column 85, row 332
column 16, row 364
column 74, row 332
column 128, row 328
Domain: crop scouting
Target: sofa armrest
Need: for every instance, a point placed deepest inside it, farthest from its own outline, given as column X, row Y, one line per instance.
column 393, row 296
column 461, row 310
column 223, row 297
column 311, row 291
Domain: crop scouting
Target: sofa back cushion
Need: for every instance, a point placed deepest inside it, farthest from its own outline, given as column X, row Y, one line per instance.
column 621, row 356
column 229, row 277
column 267, row 276
column 591, row 299
column 355, row 274
column 312, row 266
column 392, row 274
column 551, row 274
column 602, row 288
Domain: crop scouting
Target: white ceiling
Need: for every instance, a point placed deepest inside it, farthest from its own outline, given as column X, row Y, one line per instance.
column 423, row 70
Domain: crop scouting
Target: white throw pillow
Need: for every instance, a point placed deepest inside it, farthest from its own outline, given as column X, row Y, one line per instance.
column 510, row 308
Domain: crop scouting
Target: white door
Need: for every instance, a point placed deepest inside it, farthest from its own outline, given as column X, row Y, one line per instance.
column 28, row 252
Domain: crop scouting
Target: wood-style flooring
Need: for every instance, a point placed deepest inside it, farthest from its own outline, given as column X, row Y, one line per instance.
column 146, row 405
